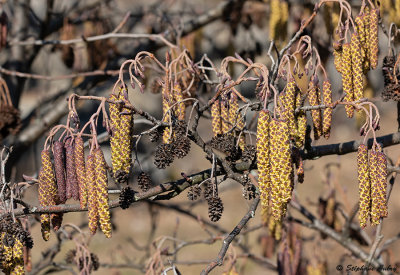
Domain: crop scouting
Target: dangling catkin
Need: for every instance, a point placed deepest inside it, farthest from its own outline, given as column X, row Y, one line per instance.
column 225, row 116
column 263, row 156
column 378, row 173
column 373, row 37
column 59, row 167
column 180, row 107
column 366, row 22
column 216, row 118
column 327, row 120
column 116, row 150
column 356, row 64
column 102, row 192
column 290, row 104
column 80, row 170
column 301, row 120
column 364, row 185
column 337, row 57
column 314, row 100
column 347, row 78
column 72, row 181
column 167, row 138
column 93, row 213
column 126, row 126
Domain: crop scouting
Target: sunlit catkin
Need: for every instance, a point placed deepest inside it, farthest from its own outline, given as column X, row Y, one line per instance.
column 263, row 156
column 366, row 22
column 216, row 118
column 327, row 120
column 289, row 106
column 102, row 192
column 364, row 185
column 337, row 59
column 81, row 170
column 378, row 173
column 314, row 100
column 93, row 213
column 301, row 120
column 373, row 37
column 167, row 138
column 225, row 116
column 126, row 126
column 180, row 107
column 356, row 65
column 18, row 257
column 347, row 78
column 274, row 19
column 116, row 150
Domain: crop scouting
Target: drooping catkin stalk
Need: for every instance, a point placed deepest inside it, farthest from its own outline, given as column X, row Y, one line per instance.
column 225, row 116
column 314, row 100
column 47, row 191
column 178, row 97
column 347, row 79
column 81, row 171
column 327, row 120
column 378, row 173
column 373, row 38
column 116, row 150
column 364, row 185
column 59, row 167
column 93, row 213
column 102, row 192
column 72, row 181
column 216, row 118
column 357, row 70
column 263, row 156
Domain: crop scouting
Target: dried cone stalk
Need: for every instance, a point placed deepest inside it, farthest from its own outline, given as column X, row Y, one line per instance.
column 357, row 67
column 93, row 213
column 263, row 156
column 216, row 118
column 102, row 192
column 364, row 185
column 47, row 191
column 59, row 167
column 347, row 79
column 378, row 172
column 327, row 120
column 373, row 38
column 72, row 181
column 81, row 171
column 314, row 100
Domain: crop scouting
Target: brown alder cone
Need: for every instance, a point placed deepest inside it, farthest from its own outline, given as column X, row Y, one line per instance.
column 180, row 108
column 327, row 120
column 115, row 120
column 347, row 79
column 364, row 185
column 102, row 192
column 59, row 167
column 225, row 116
column 47, row 191
column 314, row 100
column 72, row 181
column 79, row 154
column 263, row 156
column 373, row 38
column 357, row 70
column 216, row 118
column 93, row 213
column 378, row 173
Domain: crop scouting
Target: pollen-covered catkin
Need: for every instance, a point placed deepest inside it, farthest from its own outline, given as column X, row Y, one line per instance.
column 301, row 121
column 81, row 171
column 327, row 120
column 225, row 116
column 378, row 172
column 59, row 167
column 167, row 138
column 263, row 156
column 364, row 185
column 366, row 21
column 178, row 97
column 102, row 192
column 126, row 126
column 347, row 78
column 116, row 150
column 314, row 100
column 356, row 65
column 289, row 106
column 93, row 213
column 216, row 118
column 373, row 37
column 337, row 56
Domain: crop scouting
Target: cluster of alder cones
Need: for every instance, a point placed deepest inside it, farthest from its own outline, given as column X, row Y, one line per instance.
column 15, row 244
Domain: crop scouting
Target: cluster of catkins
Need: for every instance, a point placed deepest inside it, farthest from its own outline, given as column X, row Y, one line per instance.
column 14, row 243
column 355, row 58
column 121, row 122
column 175, row 141
column 73, row 177
column 372, row 174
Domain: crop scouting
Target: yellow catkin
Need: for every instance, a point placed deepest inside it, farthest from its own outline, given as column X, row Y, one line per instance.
column 347, row 78
column 102, row 192
column 18, row 257
column 356, row 65
column 79, row 155
column 289, row 104
column 378, row 174
column 225, row 116
column 364, row 185
column 93, row 213
column 180, row 107
column 367, row 44
column 301, row 122
column 115, row 121
column 216, row 118
column 263, row 156
column 274, row 18
column 126, row 127
column 337, row 60
column 361, row 35
column 314, row 100
column 373, row 38
column 167, row 138
column 327, row 120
